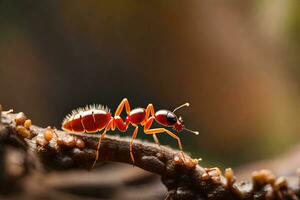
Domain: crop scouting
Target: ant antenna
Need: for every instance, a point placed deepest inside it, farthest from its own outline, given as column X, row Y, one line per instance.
column 195, row 132
column 183, row 105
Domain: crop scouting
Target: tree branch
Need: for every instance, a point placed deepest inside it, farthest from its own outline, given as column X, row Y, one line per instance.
column 51, row 149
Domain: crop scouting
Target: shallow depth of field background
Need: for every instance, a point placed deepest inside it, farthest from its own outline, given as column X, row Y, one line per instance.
column 236, row 62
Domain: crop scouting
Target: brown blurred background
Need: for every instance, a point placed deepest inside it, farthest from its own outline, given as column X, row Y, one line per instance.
column 236, row 62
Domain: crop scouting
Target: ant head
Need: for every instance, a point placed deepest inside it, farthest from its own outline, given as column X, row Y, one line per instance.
column 179, row 126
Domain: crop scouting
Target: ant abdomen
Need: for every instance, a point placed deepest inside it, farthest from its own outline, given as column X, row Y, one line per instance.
column 89, row 119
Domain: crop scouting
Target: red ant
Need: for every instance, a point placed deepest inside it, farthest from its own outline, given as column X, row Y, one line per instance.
column 93, row 119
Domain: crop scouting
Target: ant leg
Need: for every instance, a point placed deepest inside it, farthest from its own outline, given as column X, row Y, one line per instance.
column 102, row 136
column 148, row 123
column 161, row 130
column 154, row 131
column 120, row 108
column 155, row 139
column 8, row 111
column 135, row 132
column 149, row 112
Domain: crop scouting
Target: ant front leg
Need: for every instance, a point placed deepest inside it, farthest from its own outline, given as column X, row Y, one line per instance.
column 109, row 126
column 150, row 113
column 154, row 131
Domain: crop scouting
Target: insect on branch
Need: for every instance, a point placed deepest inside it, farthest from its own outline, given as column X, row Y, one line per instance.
column 183, row 177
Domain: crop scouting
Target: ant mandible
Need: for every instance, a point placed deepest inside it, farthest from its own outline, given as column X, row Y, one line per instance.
column 92, row 119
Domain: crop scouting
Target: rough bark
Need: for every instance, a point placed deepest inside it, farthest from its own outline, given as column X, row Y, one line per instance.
column 26, row 149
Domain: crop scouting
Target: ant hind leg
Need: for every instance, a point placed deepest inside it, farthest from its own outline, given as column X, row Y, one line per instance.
column 134, row 135
column 155, row 139
column 120, row 108
column 102, row 136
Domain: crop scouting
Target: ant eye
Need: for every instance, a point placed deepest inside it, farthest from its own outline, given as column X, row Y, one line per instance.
column 171, row 118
